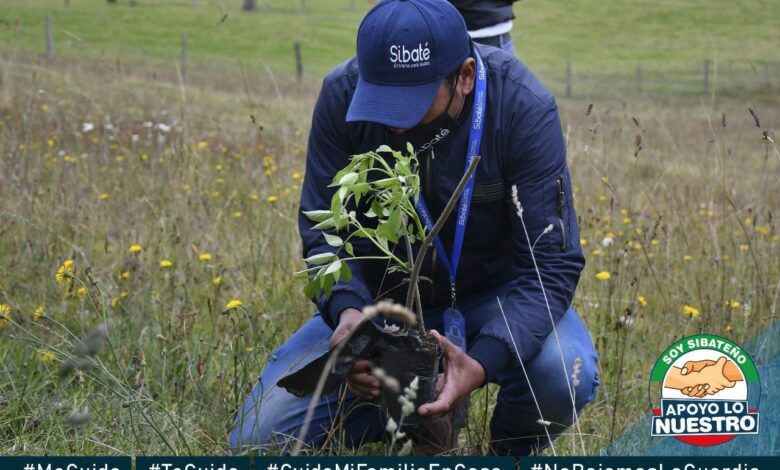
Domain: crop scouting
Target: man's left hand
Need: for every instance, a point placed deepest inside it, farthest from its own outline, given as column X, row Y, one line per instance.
column 462, row 375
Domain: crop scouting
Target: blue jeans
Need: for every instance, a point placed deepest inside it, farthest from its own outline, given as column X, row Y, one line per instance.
column 271, row 417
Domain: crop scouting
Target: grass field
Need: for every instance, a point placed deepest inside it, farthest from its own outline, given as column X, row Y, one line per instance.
column 174, row 197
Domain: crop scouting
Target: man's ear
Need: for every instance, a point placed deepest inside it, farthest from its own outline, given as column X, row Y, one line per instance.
column 468, row 74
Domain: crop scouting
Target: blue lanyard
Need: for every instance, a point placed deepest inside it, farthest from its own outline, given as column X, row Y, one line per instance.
column 475, row 138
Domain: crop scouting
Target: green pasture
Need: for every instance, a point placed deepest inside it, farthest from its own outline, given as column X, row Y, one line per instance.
column 604, row 41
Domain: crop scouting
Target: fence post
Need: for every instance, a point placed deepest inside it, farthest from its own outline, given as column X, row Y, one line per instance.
column 183, row 60
column 298, row 61
column 639, row 78
column 568, row 79
column 49, row 39
column 706, row 76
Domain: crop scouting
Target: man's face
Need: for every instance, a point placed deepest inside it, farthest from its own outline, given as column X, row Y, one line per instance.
column 464, row 86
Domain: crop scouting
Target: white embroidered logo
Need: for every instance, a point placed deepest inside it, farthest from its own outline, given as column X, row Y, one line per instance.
column 403, row 58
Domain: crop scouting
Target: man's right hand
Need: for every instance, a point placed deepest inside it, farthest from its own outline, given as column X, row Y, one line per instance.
column 359, row 378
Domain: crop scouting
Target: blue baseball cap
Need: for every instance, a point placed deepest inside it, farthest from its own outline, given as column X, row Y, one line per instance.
column 405, row 48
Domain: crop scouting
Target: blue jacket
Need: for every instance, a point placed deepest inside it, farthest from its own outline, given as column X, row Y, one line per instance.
column 522, row 145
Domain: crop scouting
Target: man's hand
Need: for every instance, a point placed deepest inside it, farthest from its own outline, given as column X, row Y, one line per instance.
column 462, row 375
column 711, row 377
column 359, row 378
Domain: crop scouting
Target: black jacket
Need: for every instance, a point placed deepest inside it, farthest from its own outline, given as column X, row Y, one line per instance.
column 483, row 13
column 523, row 145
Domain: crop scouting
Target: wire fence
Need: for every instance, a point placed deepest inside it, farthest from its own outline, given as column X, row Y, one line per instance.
column 730, row 78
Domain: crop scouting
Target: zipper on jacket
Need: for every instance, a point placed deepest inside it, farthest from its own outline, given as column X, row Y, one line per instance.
column 561, row 207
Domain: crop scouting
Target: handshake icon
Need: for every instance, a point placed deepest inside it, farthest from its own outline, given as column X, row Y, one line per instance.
column 706, row 377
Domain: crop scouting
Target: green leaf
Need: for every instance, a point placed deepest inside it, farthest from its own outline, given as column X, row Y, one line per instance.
column 325, row 224
column 348, row 179
column 312, row 289
column 333, row 267
column 333, row 240
column 346, row 273
column 317, row 216
column 410, row 148
column 384, row 148
column 327, row 285
column 320, row 258
column 348, row 248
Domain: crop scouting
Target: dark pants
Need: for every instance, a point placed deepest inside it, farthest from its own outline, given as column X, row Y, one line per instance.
column 271, row 417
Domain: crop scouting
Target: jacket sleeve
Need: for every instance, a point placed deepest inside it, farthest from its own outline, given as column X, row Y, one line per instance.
column 536, row 165
column 328, row 152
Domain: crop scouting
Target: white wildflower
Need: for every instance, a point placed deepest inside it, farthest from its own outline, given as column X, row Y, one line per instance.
column 87, row 127
column 607, row 241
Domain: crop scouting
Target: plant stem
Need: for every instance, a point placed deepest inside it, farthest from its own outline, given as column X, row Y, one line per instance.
column 418, row 311
column 428, row 240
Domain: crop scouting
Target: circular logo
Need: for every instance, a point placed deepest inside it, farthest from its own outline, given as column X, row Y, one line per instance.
column 704, row 391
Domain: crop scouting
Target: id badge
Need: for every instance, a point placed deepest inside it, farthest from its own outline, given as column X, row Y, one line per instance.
column 455, row 327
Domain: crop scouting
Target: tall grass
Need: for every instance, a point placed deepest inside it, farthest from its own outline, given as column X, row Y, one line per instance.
column 675, row 204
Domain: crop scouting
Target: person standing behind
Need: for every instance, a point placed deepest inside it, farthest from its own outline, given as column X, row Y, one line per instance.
column 488, row 22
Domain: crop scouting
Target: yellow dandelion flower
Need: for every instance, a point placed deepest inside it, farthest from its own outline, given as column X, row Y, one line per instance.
column 596, row 252
column 219, row 181
column 641, row 300
column 748, row 221
column 272, row 199
column 583, row 241
column 203, row 144
column 39, row 313
column 161, row 160
column 233, row 304
column 729, row 328
column 135, row 248
column 22, row 146
column 5, row 313
column 603, row 275
column 81, row 292
column 50, row 142
column 762, row 229
column 692, row 312
column 166, row 263
column 103, row 196
column 125, row 275
column 217, row 281
column 605, row 179
column 65, row 273
column 744, row 247
column 710, row 213
column 654, row 242
column 237, row 214
column 186, row 187
column 214, row 193
column 120, row 158
column 114, row 302
column 144, row 157
column 733, row 303
column 123, row 294
column 776, row 238
column 254, row 197
column 218, row 167
column 626, row 220
column 687, row 257
column 47, row 357
column 298, row 132
column 602, row 197
column 204, row 256
column 637, row 246
column 296, row 176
